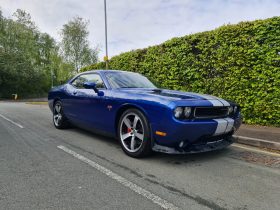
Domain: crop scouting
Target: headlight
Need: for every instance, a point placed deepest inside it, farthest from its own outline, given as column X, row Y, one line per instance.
column 235, row 109
column 178, row 112
column 187, row 112
column 182, row 112
column 230, row 110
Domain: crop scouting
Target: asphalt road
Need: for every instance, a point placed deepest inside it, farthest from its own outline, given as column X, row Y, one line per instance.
column 45, row 168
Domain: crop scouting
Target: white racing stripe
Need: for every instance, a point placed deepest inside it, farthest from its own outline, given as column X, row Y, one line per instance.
column 229, row 125
column 208, row 97
column 215, row 102
column 139, row 190
column 223, row 101
column 11, row 121
column 221, row 127
column 225, row 125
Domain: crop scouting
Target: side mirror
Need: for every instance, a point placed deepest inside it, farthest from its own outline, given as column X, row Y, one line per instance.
column 92, row 85
column 89, row 85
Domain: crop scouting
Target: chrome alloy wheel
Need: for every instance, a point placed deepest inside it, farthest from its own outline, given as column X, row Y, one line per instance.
column 57, row 115
column 132, row 132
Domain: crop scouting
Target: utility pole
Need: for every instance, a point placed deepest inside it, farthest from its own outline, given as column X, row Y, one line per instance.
column 106, row 58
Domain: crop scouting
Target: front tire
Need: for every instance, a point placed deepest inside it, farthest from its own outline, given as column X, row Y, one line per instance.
column 59, row 119
column 134, row 134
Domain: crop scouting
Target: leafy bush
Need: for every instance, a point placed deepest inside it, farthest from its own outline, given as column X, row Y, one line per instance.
column 236, row 62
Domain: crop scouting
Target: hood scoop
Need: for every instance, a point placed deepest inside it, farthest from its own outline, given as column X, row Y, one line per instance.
column 161, row 92
column 157, row 90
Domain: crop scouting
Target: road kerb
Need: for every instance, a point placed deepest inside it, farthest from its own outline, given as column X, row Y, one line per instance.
column 257, row 142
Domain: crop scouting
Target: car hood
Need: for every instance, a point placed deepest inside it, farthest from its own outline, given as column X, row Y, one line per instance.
column 178, row 97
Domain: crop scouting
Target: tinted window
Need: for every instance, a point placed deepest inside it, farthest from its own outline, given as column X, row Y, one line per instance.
column 78, row 82
column 128, row 80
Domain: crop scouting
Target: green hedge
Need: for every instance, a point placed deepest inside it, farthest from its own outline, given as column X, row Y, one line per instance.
column 236, row 62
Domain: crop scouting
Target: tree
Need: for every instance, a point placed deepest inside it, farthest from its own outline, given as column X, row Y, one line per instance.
column 24, row 18
column 29, row 59
column 75, row 45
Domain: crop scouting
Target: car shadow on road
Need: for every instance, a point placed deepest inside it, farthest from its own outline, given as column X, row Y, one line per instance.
column 96, row 136
column 179, row 159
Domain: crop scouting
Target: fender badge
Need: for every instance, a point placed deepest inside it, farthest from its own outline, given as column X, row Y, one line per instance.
column 109, row 107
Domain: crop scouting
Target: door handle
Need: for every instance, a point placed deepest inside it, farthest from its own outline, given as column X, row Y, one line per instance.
column 75, row 92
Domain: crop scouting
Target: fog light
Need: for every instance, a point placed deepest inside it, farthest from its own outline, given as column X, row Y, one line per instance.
column 230, row 110
column 181, row 144
column 235, row 109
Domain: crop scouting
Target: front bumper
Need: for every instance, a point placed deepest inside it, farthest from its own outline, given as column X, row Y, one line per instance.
column 203, row 145
column 195, row 135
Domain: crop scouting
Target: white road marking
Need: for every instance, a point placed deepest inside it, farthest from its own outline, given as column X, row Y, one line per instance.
column 255, row 150
column 11, row 121
column 145, row 193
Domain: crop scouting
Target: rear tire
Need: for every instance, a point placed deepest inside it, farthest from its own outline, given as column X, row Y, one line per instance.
column 134, row 134
column 59, row 119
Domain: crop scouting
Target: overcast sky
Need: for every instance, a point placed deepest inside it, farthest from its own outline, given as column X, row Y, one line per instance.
column 136, row 24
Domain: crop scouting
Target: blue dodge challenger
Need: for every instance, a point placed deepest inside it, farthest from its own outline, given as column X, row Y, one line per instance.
column 144, row 118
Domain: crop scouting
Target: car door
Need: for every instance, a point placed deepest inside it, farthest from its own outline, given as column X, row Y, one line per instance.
column 88, row 109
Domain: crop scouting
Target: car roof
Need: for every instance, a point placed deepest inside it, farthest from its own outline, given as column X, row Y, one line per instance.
column 101, row 71
column 104, row 71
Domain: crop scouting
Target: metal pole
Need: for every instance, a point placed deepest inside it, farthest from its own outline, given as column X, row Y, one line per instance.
column 106, row 44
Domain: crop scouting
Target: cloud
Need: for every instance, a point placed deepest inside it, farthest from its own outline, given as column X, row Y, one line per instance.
column 136, row 24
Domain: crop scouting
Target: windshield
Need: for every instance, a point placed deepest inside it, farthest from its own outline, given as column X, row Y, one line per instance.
column 128, row 80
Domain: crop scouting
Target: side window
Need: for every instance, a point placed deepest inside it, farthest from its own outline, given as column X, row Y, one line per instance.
column 78, row 82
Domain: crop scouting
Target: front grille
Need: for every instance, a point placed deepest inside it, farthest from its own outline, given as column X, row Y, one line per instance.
column 210, row 112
